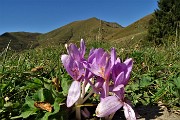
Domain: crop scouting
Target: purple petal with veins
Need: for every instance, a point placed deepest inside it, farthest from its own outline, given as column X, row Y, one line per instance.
column 129, row 64
column 118, row 88
column 74, row 52
column 65, row 59
column 74, row 68
column 98, row 54
column 119, row 91
column 125, row 67
column 108, row 105
column 73, row 93
column 129, row 112
column 119, row 79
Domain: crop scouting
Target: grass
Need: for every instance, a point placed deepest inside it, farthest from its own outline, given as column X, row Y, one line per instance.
column 155, row 77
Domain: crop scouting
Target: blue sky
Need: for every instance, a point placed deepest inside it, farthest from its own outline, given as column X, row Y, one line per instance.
column 46, row 15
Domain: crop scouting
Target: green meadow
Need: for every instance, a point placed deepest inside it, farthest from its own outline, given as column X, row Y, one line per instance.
column 38, row 75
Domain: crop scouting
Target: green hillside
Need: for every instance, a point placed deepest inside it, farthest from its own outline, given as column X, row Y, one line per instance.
column 19, row 40
column 134, row 32
column 91, row 29
column 96, row 29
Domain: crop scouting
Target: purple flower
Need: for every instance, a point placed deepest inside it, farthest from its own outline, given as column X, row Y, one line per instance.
column 75, row 53
column 73, row 63
column 100, row 65
column 108, row 105
column 124, row 67
column 111, row 104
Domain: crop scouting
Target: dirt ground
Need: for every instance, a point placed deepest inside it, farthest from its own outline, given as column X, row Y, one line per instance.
column 152, row 112
column 157, row 113
column 149, row 112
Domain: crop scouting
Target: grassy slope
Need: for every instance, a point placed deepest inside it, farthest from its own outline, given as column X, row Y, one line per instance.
column 134, row 33
column 95, row 29
column 92, row 28
column 19, row 40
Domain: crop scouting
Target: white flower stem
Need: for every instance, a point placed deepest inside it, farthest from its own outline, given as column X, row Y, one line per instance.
column 78, row 113
column 87, row 96
column 111, row 116
column 78, row 109
column 83, row 90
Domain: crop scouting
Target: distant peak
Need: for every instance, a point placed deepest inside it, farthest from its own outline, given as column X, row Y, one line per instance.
column 94, row 18
column 5, row 34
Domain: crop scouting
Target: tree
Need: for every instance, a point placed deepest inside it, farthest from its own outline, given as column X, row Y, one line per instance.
column 165, row 21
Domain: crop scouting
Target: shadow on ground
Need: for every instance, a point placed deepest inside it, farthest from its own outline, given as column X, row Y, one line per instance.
column 149, row 112
column 142, row 112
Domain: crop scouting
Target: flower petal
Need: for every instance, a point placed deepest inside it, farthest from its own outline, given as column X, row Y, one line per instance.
column 113, row 56
column 129, row 112
column 119, row 91
column 82, row 48
column 118, row 88
column 73, row 93
column 107, row 106
column 99, row 54
column 64, row 59
column 108, row 69
column 129, row 63
column 68, row 63
column 95, row 69
column 74, row 52
column 119, row 79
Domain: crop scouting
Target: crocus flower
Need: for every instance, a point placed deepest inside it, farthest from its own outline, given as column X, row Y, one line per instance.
column 75, row 53
column 111, row 104
column 73, row 63
column 101, row 67
column 124, row 67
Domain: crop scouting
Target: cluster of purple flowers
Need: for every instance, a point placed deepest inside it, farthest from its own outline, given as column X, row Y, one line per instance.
column 104, row 72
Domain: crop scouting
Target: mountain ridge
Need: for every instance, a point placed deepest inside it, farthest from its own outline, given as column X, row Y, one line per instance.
column 19, row 40
column 89, row 29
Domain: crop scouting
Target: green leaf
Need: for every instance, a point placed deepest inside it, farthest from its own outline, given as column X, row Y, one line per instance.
column 65, row 84
column 56, row 110
column 48, row 96
column 37, row 81
column 48, row 86
column 44, row 94
column 145, row 81
column 29, row 102
column 133, row 86
column 8, row 104
column 159, row 94
column 3, row 86
column 40, row 95
column 177, row 82
column 1, row 110
column 27, row 113
column 1, row 102
column 16, row 117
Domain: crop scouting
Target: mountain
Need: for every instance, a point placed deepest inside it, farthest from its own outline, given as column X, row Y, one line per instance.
column 92, row 28
column 136, row 29
column 19, row 40
column 96, row 29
